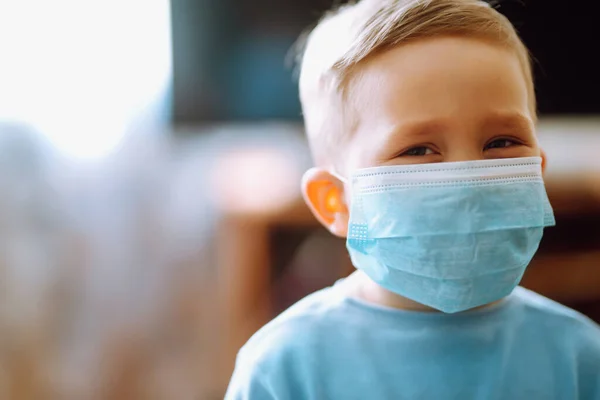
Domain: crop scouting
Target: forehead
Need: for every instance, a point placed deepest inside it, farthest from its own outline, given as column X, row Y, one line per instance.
column 440, row 77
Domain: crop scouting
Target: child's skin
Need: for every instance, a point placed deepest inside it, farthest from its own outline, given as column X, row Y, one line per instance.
column 438, row 99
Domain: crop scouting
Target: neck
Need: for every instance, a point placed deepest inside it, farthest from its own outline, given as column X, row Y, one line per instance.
column 362, row 287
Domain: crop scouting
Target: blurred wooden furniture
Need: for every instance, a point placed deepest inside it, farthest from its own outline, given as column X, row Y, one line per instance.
column 564, row 270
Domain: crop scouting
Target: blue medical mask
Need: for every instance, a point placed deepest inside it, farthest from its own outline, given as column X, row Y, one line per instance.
column 452, row 236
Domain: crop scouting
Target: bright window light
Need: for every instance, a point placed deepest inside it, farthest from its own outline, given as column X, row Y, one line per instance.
column 83, row 71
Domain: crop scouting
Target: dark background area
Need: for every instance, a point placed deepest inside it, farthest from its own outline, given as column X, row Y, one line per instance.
column 229, row 56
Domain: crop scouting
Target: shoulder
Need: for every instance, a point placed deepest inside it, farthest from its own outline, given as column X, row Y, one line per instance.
column 572, row 338
column 553, row 314
column 277, row 358
column 573, row 330
column 296, row 327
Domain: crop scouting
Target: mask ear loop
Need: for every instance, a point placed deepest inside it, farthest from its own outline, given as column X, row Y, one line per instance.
column 339, row 177
column 333, row 202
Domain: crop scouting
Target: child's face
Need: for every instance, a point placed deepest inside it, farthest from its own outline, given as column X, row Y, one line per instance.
column 433, row 100
column 439, row 100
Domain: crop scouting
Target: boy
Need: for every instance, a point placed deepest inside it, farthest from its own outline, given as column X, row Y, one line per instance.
column 421, row 116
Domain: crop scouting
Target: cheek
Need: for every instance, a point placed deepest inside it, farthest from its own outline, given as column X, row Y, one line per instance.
column 537, row 151
column 531, row 151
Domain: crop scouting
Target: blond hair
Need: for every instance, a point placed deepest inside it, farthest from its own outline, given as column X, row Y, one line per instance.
column 345, row 37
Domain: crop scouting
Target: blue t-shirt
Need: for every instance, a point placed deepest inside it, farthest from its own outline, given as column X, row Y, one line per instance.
column 331, row 346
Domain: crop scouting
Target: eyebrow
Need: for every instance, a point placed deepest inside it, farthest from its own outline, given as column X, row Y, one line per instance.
column 505, row 120
column 419, row 128
column 509, row 120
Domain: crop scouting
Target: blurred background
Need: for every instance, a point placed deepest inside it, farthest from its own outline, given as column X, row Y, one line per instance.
column 150, row 158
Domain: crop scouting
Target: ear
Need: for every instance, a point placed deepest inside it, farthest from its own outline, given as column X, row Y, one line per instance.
column 543, row 155
column 324, row 195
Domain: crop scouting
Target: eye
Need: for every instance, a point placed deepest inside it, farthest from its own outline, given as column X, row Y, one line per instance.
column 500, row 144
column 418, row 151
